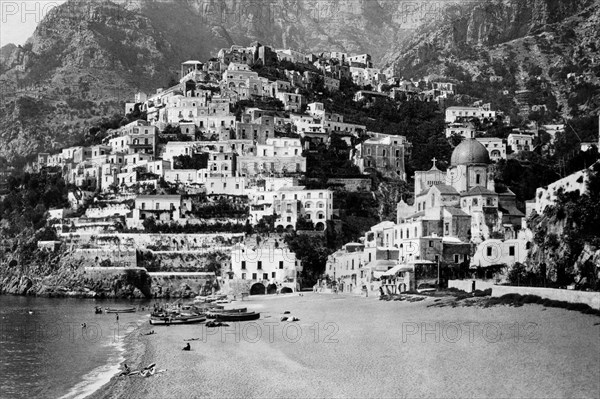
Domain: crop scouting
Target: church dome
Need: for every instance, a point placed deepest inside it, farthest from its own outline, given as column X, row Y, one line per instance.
column 469, row 151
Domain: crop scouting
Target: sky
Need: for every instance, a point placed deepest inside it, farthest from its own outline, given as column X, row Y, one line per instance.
column 18, row 18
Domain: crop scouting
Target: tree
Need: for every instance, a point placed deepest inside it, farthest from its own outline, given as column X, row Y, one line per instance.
column 313, row 254
column 456, row 139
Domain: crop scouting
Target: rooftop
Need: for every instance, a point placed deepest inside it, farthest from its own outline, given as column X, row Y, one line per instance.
column 469, row 151
column 478, row 190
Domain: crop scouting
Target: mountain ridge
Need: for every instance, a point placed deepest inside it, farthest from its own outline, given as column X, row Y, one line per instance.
column 86, row 59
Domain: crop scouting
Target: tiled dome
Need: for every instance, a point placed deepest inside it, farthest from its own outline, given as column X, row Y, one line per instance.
column 470, row 151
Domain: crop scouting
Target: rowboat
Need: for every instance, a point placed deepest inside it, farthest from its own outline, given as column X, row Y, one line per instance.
column 180, row 319
column 124, row 310
column 241, row 316
column 212, row 313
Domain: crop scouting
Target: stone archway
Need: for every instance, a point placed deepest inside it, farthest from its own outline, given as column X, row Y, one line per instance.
column 271, row 289
column 286, row 290
column 258, row 289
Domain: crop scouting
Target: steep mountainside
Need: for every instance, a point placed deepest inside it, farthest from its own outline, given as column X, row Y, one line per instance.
column 550, row 47
column 86, row 58
column 82, row 62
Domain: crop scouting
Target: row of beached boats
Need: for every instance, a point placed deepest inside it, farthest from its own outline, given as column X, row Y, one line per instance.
column 198, row 313
column 99, row 310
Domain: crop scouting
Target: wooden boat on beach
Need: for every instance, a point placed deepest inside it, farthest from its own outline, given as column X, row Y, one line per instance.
column 212, row 312
column 179, row 319
column 123, row 310
column 235, row 316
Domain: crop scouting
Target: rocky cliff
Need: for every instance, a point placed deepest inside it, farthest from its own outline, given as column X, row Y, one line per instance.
column 83, row 62
column 566, row 245
column 508, row 45
column 61, row 278
column 86, row 59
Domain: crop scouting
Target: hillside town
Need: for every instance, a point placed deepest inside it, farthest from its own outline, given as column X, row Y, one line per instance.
column 215, row 166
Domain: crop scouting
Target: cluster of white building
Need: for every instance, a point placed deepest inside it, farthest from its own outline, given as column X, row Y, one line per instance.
column 456, row 217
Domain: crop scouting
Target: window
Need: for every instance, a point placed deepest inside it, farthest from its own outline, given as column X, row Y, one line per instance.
column 253, row 276
column 243, row 265
column 157, row 206
column 259, row 265
column 273, row 275
column 281, row 264
column 430, row 244
column 143, row 205
column 446, row 228
column 477, row 179
column 456, row 258
column 489, row 251
column 265, row 276
column 511, row 250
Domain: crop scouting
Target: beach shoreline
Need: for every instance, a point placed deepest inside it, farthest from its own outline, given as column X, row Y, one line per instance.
column 135, row 351
column 346, row 346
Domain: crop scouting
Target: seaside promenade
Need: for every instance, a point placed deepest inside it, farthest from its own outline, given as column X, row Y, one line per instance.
column 345, row 346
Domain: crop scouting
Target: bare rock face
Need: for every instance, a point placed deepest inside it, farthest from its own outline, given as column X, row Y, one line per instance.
column 86, row 59
column 515, row 41
column 66, row 279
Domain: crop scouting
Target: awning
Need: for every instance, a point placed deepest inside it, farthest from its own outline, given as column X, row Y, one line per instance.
column 396, row 269
column 377, row 274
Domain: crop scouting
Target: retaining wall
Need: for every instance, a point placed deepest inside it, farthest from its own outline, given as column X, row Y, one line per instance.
column 467, row 285
column 589, row 298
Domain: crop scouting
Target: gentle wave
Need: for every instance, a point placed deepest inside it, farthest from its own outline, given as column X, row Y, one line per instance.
column 100, row 376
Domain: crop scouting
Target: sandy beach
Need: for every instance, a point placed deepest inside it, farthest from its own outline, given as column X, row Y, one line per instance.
column 345, row 346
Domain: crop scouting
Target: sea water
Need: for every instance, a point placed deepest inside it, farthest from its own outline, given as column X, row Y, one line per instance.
column 46, row 352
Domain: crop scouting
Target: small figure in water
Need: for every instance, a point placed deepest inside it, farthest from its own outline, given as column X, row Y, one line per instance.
column 117, row 316
column 187, row 347
column 83, row 325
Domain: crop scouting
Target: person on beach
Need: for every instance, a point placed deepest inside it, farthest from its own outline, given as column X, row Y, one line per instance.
column 187, row 347
column 117, row 316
